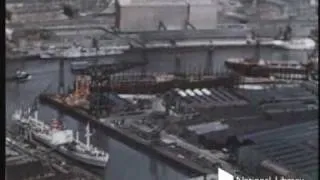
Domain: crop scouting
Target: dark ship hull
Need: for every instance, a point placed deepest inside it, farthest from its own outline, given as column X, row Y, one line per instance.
column 257, row 70
column 150, row 87
column 160, row 87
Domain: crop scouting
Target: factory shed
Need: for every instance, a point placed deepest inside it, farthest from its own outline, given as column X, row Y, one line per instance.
column 156, row 15
column 287, row 151
column 285, row 93
column 239, row 127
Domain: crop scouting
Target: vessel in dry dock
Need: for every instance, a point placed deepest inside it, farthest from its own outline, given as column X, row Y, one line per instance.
column 132, row 83
column 79, row 52
column 264, row 68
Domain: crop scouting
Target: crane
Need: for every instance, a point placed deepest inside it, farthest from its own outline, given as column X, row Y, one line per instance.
column 100, row 78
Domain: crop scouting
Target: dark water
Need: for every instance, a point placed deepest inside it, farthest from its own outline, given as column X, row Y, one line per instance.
column 125, row 163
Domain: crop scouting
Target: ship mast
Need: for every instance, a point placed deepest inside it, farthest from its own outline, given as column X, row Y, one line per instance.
column 256, row 34
column 77, row 136
column 35, row 108
column 88, row 135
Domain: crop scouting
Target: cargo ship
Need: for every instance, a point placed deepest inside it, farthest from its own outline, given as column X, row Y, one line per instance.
column 61, row 140
column 80, row 53
column 264, row 68
column 295, row 44
column 22, row 76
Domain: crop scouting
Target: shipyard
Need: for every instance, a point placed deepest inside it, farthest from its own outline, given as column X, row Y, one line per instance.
column 150, row 89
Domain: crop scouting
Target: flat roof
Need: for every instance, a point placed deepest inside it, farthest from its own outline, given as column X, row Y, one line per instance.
column 165, row 2
column 208, row 127
column 291, row 146
column 243, row 127
column 279, row 93
column 150, row 2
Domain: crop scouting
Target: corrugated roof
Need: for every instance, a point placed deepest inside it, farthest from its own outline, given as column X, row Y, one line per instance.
column 200, row 2
column 150, row 2
column 191, row 2
column 208, row 127
column 288, row 146
column 256, row 96
column 249, row 127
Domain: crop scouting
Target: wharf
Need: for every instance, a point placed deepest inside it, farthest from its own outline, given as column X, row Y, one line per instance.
column 155, row 45
column 184, row 165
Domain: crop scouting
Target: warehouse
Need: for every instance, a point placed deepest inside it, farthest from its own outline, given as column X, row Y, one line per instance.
column 154, row 15
column 237, row 127
column 206, row 98
column 288, row 151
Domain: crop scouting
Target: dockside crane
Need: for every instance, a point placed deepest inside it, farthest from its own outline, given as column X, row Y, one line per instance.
column 100, row 79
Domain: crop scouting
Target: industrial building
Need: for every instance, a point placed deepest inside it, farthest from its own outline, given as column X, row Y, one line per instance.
column 154, row 15
column 291, row 151
column 224, row 114
column 205, row 98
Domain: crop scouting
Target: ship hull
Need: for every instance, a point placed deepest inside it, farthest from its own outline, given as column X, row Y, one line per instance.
column 244, row 69
column 72, row 154
column 302, row 44
column 266, row 71
column 136, row 87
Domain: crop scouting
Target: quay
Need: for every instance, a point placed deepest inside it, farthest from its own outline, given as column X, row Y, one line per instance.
column 134, row 45
column 184, row 165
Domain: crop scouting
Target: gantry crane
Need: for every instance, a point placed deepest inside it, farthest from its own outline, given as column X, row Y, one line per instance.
column 99, row 75
column 100, row 78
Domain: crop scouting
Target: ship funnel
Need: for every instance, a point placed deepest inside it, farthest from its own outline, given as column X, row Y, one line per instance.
column 17, row 115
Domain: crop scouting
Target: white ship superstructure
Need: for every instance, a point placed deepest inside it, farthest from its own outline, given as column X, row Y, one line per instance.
column 296, row 44
column 80, row 52
column 62, row 140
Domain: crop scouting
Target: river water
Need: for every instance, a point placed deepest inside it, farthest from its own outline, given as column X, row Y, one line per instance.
column 125, row 163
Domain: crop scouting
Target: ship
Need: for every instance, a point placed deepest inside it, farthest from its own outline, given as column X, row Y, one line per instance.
column 264, row 68
column 80, row 52
column 137, row 83
column 79, row 65
column 22, row 76
column 295, row 44
column 62, row 140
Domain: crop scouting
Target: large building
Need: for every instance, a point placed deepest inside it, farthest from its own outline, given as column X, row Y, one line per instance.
column 290, row 151
column 154, row 15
